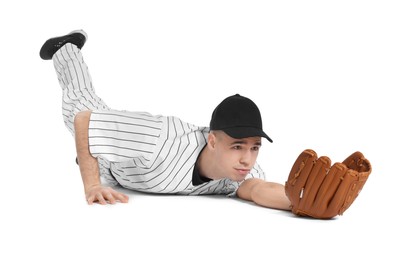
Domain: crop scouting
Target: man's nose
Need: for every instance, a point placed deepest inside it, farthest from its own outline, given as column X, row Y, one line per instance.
column 245, row 157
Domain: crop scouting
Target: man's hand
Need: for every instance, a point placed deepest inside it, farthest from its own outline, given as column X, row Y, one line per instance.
column 104, row 195
column 319, row 189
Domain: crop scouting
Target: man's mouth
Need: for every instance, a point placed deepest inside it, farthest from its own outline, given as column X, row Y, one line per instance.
column 242, row 171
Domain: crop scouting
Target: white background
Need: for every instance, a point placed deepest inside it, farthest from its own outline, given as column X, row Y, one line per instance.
column 333, row 76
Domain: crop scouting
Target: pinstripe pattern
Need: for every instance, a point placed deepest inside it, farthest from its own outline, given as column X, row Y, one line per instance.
column 74, row 78
column 136, row 150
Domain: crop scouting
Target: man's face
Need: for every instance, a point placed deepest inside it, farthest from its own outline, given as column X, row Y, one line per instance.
column 235, row 157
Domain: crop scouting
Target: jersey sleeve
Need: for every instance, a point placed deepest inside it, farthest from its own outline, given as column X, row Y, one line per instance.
column 256, row 172
column 120, row 135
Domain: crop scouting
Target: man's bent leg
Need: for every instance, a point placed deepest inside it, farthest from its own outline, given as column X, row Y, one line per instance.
column 74, row 78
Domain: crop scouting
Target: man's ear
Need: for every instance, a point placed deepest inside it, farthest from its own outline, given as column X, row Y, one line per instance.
column 211, row 140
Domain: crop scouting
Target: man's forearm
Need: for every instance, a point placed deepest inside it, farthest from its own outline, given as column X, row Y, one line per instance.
column 266, row 194
column 89, row 168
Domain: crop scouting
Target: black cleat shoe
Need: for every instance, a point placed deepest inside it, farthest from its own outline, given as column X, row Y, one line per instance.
column 52, row 45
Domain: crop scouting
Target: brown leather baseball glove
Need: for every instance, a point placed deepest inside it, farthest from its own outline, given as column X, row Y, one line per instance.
column 320, row 190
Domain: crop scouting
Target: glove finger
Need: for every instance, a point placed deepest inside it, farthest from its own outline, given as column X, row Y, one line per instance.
column 358, row 162
column 313, row 184
column 352, row 182
column 327, row 191
column 298, row 176
column 302, row 166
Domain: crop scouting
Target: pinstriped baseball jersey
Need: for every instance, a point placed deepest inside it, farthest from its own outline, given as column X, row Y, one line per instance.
column 137, row 150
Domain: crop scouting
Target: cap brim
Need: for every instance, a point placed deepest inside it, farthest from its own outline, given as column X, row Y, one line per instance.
column 245, row 132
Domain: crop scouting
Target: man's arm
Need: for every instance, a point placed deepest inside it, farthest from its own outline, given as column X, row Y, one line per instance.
column 89, row 167
column 266, row 194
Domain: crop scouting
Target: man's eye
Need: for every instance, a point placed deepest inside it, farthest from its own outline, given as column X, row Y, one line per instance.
column 236, row 147
column 256, row 148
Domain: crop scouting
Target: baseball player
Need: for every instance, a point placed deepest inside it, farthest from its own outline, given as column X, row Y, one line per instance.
column 155, row 153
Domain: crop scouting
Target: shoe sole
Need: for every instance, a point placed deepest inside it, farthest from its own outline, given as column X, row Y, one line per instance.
column 44, row 49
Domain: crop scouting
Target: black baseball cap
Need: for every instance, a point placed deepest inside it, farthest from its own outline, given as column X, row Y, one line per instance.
column 239, row 117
